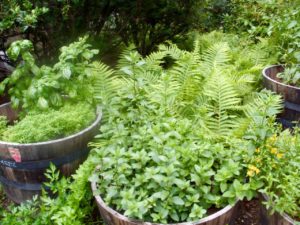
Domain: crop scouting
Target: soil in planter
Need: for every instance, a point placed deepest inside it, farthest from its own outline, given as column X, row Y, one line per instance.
column 248, row 213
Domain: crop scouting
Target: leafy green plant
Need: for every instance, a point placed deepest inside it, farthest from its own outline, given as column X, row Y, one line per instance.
column 167, row 171
column 276, row 163
column 72, row 206
column 31, row 86
column 21, row 14
column 272, row 19
column 290, row 75
column 51, row 124
column 51, row 24
column 284, row 32
column 252, row 17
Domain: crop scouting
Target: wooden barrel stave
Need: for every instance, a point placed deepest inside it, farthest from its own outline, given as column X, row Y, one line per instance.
column 111, row 217
column 32, row 160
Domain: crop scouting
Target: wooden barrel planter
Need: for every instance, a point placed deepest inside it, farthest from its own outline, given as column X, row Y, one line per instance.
column 22, row 166
column 276, row 218
column 111, row 217
column 290, row 94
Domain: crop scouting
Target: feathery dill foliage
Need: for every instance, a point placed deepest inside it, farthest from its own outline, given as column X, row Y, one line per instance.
column 50, row 124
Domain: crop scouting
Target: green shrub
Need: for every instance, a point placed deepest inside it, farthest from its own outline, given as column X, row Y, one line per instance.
column 51, row 24
column 276, row 20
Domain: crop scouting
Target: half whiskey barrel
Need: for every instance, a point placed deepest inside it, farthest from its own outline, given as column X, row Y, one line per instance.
column 290, row 94
column 111, row 217
column 274, row 219
column 22, row 166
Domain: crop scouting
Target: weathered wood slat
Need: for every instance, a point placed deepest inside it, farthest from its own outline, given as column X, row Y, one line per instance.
column 60, row 152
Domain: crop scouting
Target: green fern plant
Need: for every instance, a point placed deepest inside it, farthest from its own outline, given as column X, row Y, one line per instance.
column 207, row 84
column 105, row 83
column 223, row 101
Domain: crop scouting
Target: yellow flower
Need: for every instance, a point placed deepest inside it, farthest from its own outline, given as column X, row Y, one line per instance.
column 279, row 155
column 257, row 150
column 250, row 173
column 268, row 146
column 254, row 169
column 258, row 160
column 272, row 139
column 274, row 150
column 251, row 167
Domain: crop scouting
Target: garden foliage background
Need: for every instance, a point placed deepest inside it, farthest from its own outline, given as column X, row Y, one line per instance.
column 267, row 29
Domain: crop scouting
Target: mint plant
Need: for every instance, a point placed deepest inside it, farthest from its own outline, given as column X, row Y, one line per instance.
column 167, row 171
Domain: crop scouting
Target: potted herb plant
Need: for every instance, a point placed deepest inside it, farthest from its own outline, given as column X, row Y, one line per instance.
column 278, row 160
column 284, row 79
column 51, row 118
column 173, row 150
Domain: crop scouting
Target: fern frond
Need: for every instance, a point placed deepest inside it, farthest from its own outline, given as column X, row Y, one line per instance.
column 216, row 56
column 105, row 83
column 243, row 83
column 171, row 50
column 222, row 103
column 154, row 61
column 163, row 93
column 188, row 79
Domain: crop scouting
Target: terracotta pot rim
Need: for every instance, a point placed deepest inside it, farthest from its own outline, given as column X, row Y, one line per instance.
column 100, row 201
column 284, row 215
column 90, row 127
column 275, row 81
